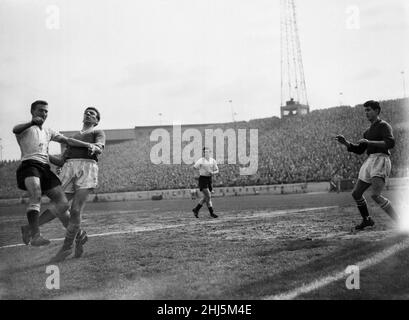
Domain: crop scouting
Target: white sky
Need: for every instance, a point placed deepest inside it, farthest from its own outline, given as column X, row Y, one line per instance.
column 187, row 58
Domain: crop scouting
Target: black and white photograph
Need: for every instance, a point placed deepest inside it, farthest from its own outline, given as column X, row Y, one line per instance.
column 204, row 155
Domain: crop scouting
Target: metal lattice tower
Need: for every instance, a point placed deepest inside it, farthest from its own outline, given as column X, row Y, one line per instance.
column 293, row 88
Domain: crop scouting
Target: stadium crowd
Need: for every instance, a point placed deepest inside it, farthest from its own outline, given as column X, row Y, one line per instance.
column 291, row 150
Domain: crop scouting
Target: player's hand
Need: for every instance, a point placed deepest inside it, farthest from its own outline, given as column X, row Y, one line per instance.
column 363, row 141
column 38, row 121
column 341, row 139
column 92, row 149
column 98, row 150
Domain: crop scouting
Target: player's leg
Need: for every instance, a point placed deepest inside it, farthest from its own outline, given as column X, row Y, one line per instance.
column 82, row 179
column 51, row 186
column 77, row 208
column 357, row 193
column 203, row 200
column 208, row 199
column 60, row 204
column 47, row 216
column 50, row 213
column 210, row 185
column 77, row 205
column 199, row 205
column 65, row 180
column 378, row 184
column 33, row 186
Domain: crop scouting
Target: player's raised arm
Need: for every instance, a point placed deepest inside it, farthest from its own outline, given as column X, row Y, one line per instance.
column 24, row 126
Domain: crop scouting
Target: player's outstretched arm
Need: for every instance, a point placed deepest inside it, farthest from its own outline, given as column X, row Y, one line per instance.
column 377, row 144
column 73, row 142
column 341, row 139
column 358, row 148
column 77, row 143
column 355, row 148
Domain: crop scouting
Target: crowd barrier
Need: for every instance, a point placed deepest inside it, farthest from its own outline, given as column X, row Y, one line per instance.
column 310, row 187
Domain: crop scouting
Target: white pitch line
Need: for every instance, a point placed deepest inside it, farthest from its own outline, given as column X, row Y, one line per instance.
column 154, row 228
column 13, row 246
column 319, row 283
column 136, row 230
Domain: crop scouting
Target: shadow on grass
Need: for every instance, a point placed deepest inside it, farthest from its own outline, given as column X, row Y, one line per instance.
column 349, row 254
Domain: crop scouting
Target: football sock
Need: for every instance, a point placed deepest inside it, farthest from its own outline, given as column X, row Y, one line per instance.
column 387, row 207
column 70, row 234
column 197, row 208
column 45, row 217
column 33, row 217
column 363, row 208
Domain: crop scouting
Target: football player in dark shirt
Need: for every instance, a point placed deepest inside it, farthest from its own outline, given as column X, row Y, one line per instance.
column 79, row 177
column 377, row 141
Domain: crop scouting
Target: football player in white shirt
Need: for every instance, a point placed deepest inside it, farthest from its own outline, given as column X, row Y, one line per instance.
column 207, row 168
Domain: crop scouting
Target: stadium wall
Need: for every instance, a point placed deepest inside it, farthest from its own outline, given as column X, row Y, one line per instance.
column 122, row 135
column 312, row 187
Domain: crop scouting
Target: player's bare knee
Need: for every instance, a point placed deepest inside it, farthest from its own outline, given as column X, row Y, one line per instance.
column 34, row 194
column 35, row 198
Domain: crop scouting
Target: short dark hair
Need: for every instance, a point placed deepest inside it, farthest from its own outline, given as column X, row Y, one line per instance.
column 38, row 102
column 96, row 110
column 374, row 105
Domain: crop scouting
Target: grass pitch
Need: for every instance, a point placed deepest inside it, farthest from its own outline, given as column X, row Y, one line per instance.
column 260, row 246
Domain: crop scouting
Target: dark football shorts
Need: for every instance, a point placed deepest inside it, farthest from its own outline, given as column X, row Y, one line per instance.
column 205, row 183
column 32, row 168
